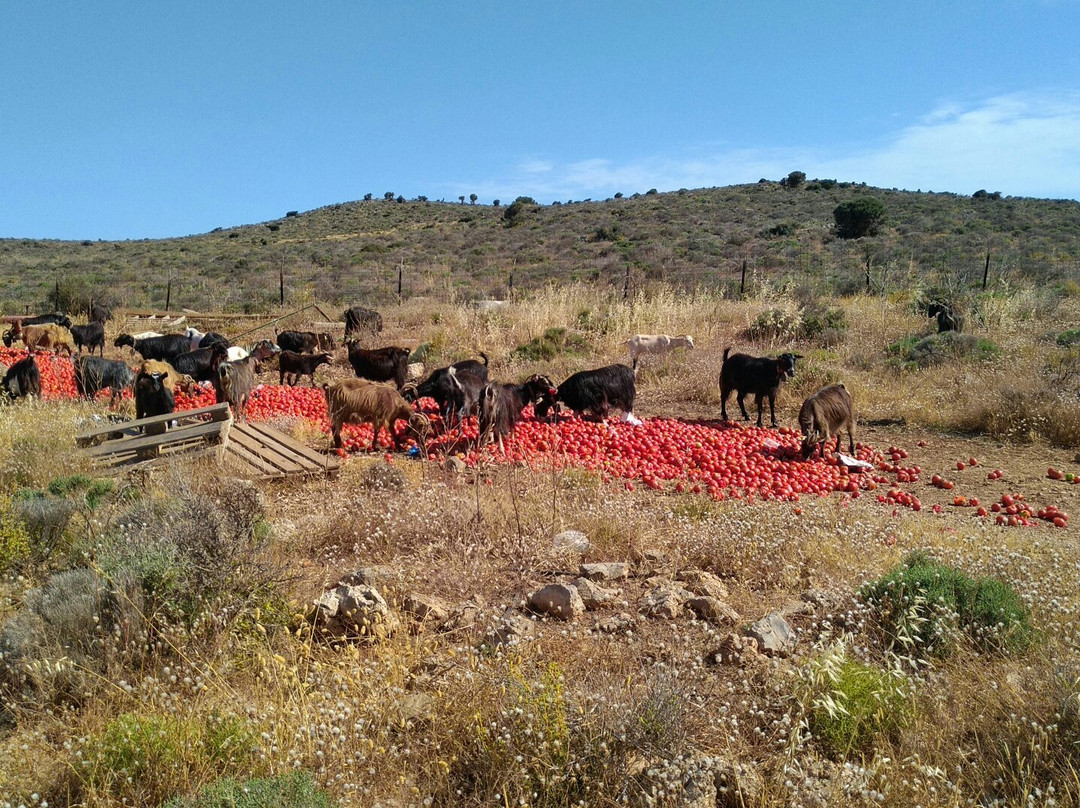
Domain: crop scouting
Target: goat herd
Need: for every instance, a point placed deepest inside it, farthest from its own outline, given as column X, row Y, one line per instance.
column 381, row 393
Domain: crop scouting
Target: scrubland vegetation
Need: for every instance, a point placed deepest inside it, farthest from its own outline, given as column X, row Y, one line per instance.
column 155, row 634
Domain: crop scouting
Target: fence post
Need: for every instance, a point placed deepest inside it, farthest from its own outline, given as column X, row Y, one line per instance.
column 986, row 269
column 168, row 294
column 868, row 274
column 281, row 284
column 400, row 272
column 626, row 283
column 742, row 280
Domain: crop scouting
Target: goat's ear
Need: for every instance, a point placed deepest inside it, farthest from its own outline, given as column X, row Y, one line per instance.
column 797, row 356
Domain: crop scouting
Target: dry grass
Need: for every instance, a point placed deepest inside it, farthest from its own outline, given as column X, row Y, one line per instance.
column 578, row 714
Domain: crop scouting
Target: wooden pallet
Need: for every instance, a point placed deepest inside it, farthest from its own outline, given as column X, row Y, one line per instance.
column 205, row 430
column 270, row 454
column 258, row 450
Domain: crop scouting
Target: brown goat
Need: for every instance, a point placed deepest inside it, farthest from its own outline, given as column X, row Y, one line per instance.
column 825, row 414
column 237, row 381
column 359, row 401
column 173, row 380
column 48, row 337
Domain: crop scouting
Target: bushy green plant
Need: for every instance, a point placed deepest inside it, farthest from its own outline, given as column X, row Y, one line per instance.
column 292, row 790
column 851, row 704
column 1069, row 337
column 14, row 539
column 775, row 324
column 145, row 759
column 553, row 342
column 923, row 605
column 936, row 349
column 859, row 217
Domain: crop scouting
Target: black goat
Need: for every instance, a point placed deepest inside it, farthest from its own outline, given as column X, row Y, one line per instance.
column 202, row 363
column 93, row 374
column 305, row 341
column 99, row 313
column 501, row 405
column 594, row 391
column 212, row 338
column 948, row 319
column 42, row 319
column 359, row 320
column 92, row 335
column 165, row 348
column 453, row 387
column 22, row 379
column 760, row 376
column 389, row 364
column 291, row 366
column 152, row 395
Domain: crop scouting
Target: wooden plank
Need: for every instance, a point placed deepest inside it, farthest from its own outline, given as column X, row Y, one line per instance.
column 205, row 430
column 299, row 448
column 253, row 446
column 256, row 463
column 238, row 452
column 217, row 412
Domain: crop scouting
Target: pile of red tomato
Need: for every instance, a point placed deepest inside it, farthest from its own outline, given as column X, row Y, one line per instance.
column 715, row 458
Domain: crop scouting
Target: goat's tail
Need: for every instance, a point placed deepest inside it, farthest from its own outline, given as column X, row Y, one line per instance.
column 727, row 350
column 484, row 356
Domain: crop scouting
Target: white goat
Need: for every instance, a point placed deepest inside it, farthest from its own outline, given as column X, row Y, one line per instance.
column 656, row 344
column 195, row 336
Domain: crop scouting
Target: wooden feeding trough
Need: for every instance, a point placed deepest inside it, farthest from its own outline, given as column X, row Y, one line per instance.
column 259, row 450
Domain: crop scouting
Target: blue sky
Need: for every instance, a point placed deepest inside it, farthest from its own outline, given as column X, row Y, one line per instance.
column 126, row 120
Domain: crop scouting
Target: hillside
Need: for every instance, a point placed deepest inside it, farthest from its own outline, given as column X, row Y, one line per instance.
column 351, row 252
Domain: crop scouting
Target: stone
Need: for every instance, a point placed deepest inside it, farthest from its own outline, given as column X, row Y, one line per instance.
column 454, row 465
column 412, row 709
column 713, row 610
column 618, row 624
column 370, row 576
column 696, row 780
column 703, row 583
column 665, row 600
column 737, row 650
column 427, row 609
column 557, row 600
column 592, row 594
column 605, row 571
column 465, row 615
column 354, row 611
column 773, row 634
column 571, row 540
column 511, row 629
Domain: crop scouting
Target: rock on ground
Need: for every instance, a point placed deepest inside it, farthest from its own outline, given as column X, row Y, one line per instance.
column 557, row 600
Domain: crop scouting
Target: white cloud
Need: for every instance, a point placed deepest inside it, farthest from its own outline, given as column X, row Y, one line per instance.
column 1020, row 144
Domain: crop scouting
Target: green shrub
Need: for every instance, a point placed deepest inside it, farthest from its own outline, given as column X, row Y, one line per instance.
column 58, row 646
column 14, row 539
column 553, row 342
column 775, row 324
column 292, row 790
column 923, row 605
column 852, row 704
column 939, row 348
column 859, row 217
column 1070, row 337
column 145, row 759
